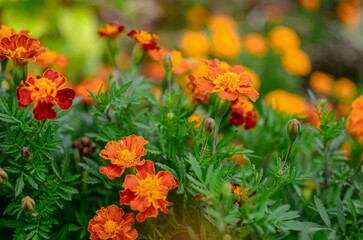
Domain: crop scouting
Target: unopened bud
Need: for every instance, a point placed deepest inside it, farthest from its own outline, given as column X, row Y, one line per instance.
column 167, row 62
column 25, row 152
column 137, row 55
column 170, row 115
column 28, row 204
column 3, row 176
column 293, row 129
column 209, row 125
column 221, row 107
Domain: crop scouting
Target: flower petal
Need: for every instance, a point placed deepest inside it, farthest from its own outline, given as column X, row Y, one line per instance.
column 112, row 171
column 44, row 110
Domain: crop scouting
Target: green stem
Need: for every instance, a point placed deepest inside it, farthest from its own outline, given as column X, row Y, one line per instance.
column 215, row 138
column 327, row 169
column 19, row 73
column 287, row 156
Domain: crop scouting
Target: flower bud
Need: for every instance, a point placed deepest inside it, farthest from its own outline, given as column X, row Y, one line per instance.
column 137, row 55
column 170, row 116
column 25, row 152
column 221, row 107
column 209, row 125
column 28, row 204
column 167, row 62
column 293, row 129
column 3, row 176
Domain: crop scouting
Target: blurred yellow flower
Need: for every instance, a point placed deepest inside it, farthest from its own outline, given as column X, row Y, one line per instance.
column 310, row 5
column 283, row 39
column 255, row 44
column 344, row 89
column 226, row 44
column 196, row 17
column 296, row 62
column 221, row 23
column 289, row 103
column 198, row 119
column 321, row 83
column 194, row 44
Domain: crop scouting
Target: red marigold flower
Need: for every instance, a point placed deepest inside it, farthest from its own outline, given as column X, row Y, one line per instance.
column 110, row 30
column 46, row 91
column 146, row 39
column 229, row 82
column 21, row 48
column 112, row 223
column 123, row 154
column 243, row 113
column 354, row 124
column 147, row 192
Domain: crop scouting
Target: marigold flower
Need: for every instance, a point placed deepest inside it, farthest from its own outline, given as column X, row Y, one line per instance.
column 6, row 31
column 296, row 62
column 123, row 154
column 220, row 23
column 243, row 193
column 196, row 16
column 344, row 89
column 21, row 48
column 289, row 103
column 92, row 85
column 283, row 39
column 110, row 30
column 194, row 44
column 201, row 70
column 229, row 82
column 243, row 113
column 354, row 123
column 49, row 58
column 226, row 44
column 198, row 119
column 112, row 223
column 146, row 39
column 255, row 44
column 45, row 91
column 348, row 13
column 147, row 192
column 321, row 83
column 310, row 5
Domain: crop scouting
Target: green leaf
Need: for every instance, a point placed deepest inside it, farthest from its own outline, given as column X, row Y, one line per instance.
column 341, row 218
column 19, row 185
column 31, row 181
column 91, row 180
column 70, row 178
column 302, row 226
column 322, row 211
column 68, row 189
column 352, row 209
column 55, row 168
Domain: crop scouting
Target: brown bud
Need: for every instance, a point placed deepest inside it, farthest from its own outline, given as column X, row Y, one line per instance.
column 28, row 204
column 25, row 152
column 293, row 129
column 85, row 141
column 3, row 176
column 209, row 125
column 75, row 144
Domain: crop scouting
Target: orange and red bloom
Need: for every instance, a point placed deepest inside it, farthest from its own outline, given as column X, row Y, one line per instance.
column 243, row 193
column 21, row 48
column 243, row 113
column 354, row 124
column 123, row 154
column 229, row 82
column 110, row 30
column 146, row 39
column 146, row 192
column 46, row 92
column 112, row 223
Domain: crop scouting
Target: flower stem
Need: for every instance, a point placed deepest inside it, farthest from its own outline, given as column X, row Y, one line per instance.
column 327, row 169
column 287, row 156
column 215, row 138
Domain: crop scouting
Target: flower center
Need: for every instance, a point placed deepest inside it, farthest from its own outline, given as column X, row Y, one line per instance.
column 126, row 156
column 144, row 37
column 111, row 228
column 44, row 89
column 242, row 193
column 18, row 51
column 227, row 81
column 149, row 187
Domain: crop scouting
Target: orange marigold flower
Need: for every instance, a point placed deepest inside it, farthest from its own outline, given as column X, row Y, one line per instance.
column 147, row 192
column 6, row 31
column 321, row 83
column 283, row 39
column 354, row 124
column 243, row 113
column 310, row 5
column 194, row 44
column 243, row 193
column 296, row 62
column 92, row 85
column 255, row 44
column 344, row 89
column 21, row 48
column 146, row 39
column 229, row 82
column 112, row 223
column 46, row 91
column 49, row 58
column 110, row 30
column 123, row 154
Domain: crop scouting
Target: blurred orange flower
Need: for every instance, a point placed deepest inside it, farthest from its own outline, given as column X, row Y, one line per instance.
column 243, row 193
column 255, row 44
column 146, row 192
column 6, row 31
column 310, row 5
column 110, row 30
column 296, row 62
column 146, row 39
column 348, row 13
column 21, row 48
column 49, row 58
column 229, row 82
column 123, row 154
column 289, row 103
column 243, row 113
column 321, row 83
column 196, row 16
column 45, row 91
column 112, row 223
column 283, row 39
column 354, row 123
column 93, row 85
column 194, row 44
column 344, row 89
column 198, row 119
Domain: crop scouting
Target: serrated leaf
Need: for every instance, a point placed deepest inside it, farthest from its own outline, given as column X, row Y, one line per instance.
column 302, row 226
column 322, row 211
column 70, row 178
column 31, row 181
column 91, row 180
column 55, row 168
column 68, row 189
column 19, row 185
column 341, row 219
